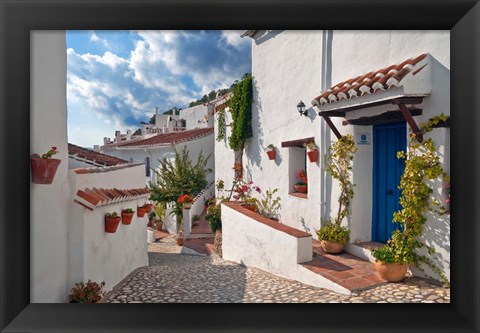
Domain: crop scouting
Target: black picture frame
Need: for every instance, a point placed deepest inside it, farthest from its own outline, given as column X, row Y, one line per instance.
column 18, row 17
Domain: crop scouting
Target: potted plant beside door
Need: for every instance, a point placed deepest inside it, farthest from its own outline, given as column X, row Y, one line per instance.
column 333, row 236
column 391, row 260
column 312, row 151
column 45, row 167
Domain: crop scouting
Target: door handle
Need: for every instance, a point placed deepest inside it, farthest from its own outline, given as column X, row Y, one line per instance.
column 389, row 192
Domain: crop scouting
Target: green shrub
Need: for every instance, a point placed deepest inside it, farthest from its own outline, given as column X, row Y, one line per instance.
column 269, row 206
column 334, row 233
column 398, row 250
column 214, row 214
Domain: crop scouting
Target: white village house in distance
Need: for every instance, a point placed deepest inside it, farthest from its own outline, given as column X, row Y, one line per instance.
column 374, row 85
column 192, row 127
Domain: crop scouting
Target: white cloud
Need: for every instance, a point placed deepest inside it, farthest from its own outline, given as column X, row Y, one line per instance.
column 232, row 37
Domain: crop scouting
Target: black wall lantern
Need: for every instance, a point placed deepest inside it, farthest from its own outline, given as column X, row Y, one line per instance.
column 301, row 108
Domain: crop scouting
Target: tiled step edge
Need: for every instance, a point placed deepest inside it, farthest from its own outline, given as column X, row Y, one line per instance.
column 360, row 252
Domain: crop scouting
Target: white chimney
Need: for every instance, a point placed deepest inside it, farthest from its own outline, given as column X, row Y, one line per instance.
column 106, row 141
column 96, row 148
column 118, row 137
column 129, row 135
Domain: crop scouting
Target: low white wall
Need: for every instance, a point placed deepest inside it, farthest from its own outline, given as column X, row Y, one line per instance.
column 93, row 253
column 255, row 244
column 170, row 221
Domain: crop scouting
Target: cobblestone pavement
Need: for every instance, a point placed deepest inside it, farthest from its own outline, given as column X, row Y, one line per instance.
column 179, row 278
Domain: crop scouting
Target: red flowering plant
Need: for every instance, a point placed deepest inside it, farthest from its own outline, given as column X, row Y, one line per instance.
column 302, row 176
column 242, row 191
column 185, row 199
column 50, row 153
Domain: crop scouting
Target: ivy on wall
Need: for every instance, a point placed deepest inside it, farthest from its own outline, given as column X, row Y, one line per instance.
column 241, row 108
column 221, row 125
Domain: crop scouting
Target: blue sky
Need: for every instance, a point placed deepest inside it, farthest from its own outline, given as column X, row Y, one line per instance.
column 115, row 79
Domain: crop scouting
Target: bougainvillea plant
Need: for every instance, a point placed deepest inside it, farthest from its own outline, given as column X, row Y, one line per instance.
column 242, row 190
column 50, row 153
column 302, row 176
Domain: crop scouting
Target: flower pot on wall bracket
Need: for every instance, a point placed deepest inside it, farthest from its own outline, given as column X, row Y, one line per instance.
column 111, row 224
column 301, row 188
column 141, row 211
column 148, row 208
column 271, row 154
column 43, row 169
column 127, row 217
column 313, row 155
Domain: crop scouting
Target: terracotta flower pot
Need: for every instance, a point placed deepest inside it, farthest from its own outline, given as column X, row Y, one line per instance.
column 111, row 224
column 331, row 247
column 141, row 211
column 179, row 241
column 43, row 169
column 301, row 188
column 271, row 154
column 148, row 208
column 127, row 217
column 150, row 223
column 390, row 271
column 251, row 207
column 187, row 205
column 313, row 155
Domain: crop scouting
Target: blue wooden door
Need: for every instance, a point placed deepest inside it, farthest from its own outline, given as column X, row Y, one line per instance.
column 388, row 139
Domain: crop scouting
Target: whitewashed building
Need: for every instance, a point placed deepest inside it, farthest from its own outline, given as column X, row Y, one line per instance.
column 352, row 82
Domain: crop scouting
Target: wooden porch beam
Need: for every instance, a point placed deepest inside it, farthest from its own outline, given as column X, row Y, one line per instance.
column 383, row 118
column 411, row 122
column 407, row 100
column 332, row 126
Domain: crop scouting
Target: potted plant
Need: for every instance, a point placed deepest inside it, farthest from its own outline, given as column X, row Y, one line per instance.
column 90, row 292
column 332, row 235
column 392, row 259
column 302, row 185
column 271, row 152
column 141, row 211
column 127, row 215
column 151, row 219
column 148, row 207
column 185, row 200
column 45, row 167
column 312, row 151
column 112, row 221
column 195, row 219
column 242, row 190
column 213, row 216
column 250, row 204
column 179, row 238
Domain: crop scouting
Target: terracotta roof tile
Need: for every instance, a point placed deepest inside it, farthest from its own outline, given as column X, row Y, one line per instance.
column 382, row 79
column 95, row 158
column 170, row 138
column 96, row 197
column 105, row 169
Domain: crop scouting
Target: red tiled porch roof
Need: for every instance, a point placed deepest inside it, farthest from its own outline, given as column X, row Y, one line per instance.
column 93, row 157
column 172, row 138
column 371, row 82
column 92, row 198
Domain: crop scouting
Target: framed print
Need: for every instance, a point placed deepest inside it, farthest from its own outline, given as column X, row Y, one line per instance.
column 21, row 108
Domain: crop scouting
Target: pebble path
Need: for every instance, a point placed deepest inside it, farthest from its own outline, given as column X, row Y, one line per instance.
column 172, row 277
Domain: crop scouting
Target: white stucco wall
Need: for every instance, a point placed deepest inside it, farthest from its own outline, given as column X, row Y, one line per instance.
column 95, row 254
column 286, row 68
column 204, row 145
column 196, row 116
column 224, row 156
column 49, row 203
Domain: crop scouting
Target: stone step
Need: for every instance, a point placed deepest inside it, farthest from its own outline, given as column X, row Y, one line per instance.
column 344, row 269
column 199, row 245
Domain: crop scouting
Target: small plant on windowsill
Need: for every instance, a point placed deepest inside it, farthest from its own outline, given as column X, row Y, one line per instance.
column 271, row 152
column 302, row 185
column 312, row 151
column 90, row 292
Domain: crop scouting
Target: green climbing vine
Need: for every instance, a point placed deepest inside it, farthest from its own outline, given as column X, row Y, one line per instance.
column 339, row 165
column 221, row 125
column 422, row 165
column 241, row 108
